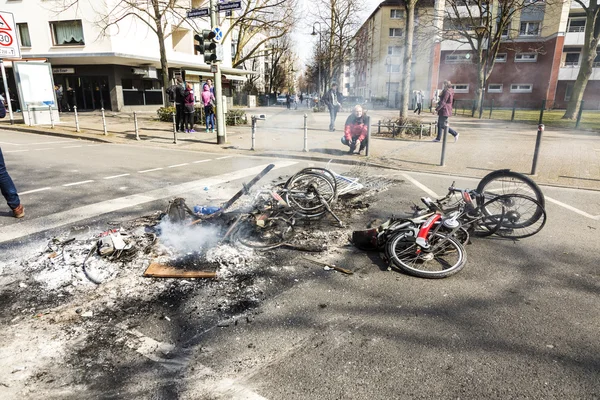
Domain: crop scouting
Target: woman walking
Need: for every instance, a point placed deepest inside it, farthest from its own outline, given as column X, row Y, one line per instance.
column 208, row 100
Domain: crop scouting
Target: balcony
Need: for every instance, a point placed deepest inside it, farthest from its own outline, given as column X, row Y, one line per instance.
column 570, row 70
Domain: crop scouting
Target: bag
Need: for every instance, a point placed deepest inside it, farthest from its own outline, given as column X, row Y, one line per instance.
column 171, row 93
column 2, row 109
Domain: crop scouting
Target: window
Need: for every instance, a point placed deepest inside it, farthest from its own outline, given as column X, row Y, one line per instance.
column 526, row 57
column 569, row 91
column 141, row 92
column 395, row 32
column 571, row 59
column 505, row 31
column 458, row 58
column 24, row 34
column 67, row 33
column 596, row 60
column 501, row 57
column 521, row 88
column 396, row 14
column 495, row 88
column 460, row 88
column 394, row 50
column 576, row 25
column 392, row 68
column 530, row 29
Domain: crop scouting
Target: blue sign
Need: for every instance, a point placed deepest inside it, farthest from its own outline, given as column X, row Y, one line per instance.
column 218, row 34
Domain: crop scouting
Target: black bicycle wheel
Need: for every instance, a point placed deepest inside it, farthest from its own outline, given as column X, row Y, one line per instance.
column 444, row 257
column 513, row 216
column 323, row 171
column 274, row 233
column 302, row 193
column 504, row 181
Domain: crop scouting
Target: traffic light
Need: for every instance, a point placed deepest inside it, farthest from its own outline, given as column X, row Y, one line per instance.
column 206, row 45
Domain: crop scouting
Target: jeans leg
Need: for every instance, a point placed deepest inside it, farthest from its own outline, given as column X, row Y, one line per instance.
column 331, row 118
column 441, row 121
column 7, row 187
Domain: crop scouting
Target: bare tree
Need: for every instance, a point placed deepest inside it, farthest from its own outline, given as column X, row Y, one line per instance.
column 588, row 55
column 409, row 6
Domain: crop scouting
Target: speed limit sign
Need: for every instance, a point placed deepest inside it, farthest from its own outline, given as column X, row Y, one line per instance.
column 5, row 39
column 9, row 47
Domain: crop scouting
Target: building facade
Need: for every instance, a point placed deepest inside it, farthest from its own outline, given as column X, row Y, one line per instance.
column 116, row 68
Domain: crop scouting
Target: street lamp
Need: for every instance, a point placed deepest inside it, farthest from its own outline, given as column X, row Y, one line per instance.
column 314, row 33
column 388, row 62
column 480, row 31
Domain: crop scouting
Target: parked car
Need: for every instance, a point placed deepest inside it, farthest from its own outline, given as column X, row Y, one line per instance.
column 281, row 99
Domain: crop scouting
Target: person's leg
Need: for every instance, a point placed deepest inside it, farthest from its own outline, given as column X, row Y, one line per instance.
column 331, row 118
column 363, row 145
column 441, row 122
column 7, row 186
column 452, row 132
column 178, row 117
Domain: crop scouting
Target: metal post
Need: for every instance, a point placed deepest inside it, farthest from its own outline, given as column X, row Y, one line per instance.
column 174, row 129
column 512, row 117
column 536, row 152
column 51, row 117
column 76, row 119
column 221, row 124
column 253, row 132
column 135, row 124
column 474, row 107
column 579, row 114
column 443, row 160
column 542, row 112
column 305, row 135
column 29, row 115
column 379, row 127
column 393, row 129
column 491, row 108
column 430, row 128
column 8, row 102
column 368, row 122
column 104, row 122
column 421, row 132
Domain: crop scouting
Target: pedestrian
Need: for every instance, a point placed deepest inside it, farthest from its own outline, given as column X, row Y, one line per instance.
column 9, row 191
column 418, row 101
column 444, row 110
column 301, row 98
column 209, row 111
column 59, row 97
column 180, row 94
column 332, row 100
column 70, row 98
column 189, row 110
column 209, row 82
column 355, row 131
column 288, row 100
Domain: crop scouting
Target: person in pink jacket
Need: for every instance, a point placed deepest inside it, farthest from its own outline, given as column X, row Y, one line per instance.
column 355, row 131
column 444, row 110
column 208, row 101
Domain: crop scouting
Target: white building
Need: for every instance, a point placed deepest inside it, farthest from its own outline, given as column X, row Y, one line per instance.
column 119, row 70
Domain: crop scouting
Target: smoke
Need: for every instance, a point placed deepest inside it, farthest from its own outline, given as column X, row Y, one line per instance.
column 183, row 238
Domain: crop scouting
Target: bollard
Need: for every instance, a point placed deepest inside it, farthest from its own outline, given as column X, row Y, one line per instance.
column 379, row 127
column 430, row 128
column 512, row 117
column 443, row 160
column 421, row 133
column 174, row 130
column 579, row 114
column 104, row 122
column 491, row 108
column 393, row 129
column 135, row 124
column 29, row 115
column 305, row 135
column 368, row 122
column 542, row 112
column 51, row 117
column 253, row 132
column 474, row 107
column 76, row 119
column 536, row 152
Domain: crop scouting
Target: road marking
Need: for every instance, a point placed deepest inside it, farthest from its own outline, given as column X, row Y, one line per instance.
column 420, row 186
column 222, row 158
column 73, row 215
column 196, row 162
column 177, row 165
column 15, row 151
column 72, row 147
column 34, row 190
column 571, row 208
column 78, row 183
column 43, row 148
column 115, row 176
column 149, row 170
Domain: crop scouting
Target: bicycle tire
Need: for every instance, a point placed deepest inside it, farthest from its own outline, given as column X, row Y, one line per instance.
column 249, row 235
column 324, row 171
column 505, row 181
column 522, row 216
column 404, row 253
column 299, row 196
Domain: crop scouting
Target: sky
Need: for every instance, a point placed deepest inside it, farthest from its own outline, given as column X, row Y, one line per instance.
column 302, row 34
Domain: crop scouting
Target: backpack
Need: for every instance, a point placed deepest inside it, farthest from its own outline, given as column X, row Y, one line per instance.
column 2, row 110
column 171, row 92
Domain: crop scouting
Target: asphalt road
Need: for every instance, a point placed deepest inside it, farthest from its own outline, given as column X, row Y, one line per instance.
column 519, row 321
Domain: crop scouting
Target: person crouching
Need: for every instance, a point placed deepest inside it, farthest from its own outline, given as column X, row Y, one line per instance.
column 355, row 131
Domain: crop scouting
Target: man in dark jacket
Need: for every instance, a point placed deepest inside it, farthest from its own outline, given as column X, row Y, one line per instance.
column 444, row 110
column 180, row 95
column 332, row 100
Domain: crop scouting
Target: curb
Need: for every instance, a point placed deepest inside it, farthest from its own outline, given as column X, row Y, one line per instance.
column 55, row 133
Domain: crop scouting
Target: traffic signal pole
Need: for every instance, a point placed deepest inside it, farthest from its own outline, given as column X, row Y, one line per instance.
column 221, row 130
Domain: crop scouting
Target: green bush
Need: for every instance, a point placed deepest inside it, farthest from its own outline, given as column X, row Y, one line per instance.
column 233, row 117
column 165, row 114
column 236, row 117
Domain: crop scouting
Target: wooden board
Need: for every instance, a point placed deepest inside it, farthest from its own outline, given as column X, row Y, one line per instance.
column 157, row 270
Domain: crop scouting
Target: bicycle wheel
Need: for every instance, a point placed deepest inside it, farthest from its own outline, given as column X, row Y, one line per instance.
column 504, row 181
column 301, row 193
column 324, row 171
column 513, row 216
column 274, row 233
column 445, row 256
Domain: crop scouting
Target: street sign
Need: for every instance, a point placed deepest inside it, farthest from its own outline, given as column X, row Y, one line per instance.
column 9, row 45
column 197, row 12
column 218, row 34
column 231, row 5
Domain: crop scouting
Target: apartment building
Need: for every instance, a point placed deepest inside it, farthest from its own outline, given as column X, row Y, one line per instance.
column 121, row 69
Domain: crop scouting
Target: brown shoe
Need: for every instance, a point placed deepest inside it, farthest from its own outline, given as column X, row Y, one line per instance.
column 19, row 212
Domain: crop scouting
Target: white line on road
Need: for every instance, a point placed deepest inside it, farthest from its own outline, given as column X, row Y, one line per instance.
column 177, row 165
column 34, row 144
column 34, row 190
column 149, row 170
column 78, row 183
column 72, row 147
column 15, row 151
column 575, row 210
column 222, row 158
column 420, row 185
column 74, row 215
column 115, row 176
column 199, row 161
column 43, row 148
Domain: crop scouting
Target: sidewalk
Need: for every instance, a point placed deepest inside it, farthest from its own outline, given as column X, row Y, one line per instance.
column 567, row 158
